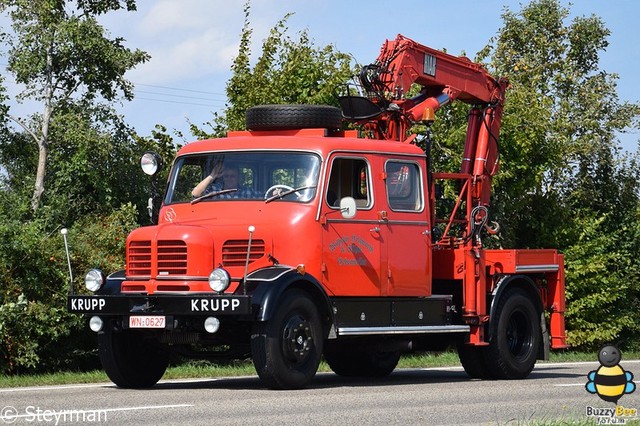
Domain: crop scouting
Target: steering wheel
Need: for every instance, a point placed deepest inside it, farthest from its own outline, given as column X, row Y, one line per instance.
column 271, row 191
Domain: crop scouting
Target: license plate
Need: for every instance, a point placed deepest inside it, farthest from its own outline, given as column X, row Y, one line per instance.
column 147, row 321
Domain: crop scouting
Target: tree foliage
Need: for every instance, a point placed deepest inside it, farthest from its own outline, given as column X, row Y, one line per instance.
column 563, row 182
column 58, row 55
column 35, row 327
column 288, row 71
column 67, row 63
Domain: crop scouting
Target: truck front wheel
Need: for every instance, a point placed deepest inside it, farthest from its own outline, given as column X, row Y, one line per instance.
column 515, row 337
column 287, row 348
column 129, row 360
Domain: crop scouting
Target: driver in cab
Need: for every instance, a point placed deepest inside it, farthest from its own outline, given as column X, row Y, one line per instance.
column 226, row 180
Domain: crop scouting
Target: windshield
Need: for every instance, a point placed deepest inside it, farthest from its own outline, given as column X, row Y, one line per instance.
column 271, row 176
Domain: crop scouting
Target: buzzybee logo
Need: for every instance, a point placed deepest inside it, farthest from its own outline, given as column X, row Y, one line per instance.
column 610, row 381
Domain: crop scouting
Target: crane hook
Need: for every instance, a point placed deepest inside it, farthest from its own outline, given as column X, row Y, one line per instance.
column 494, row 229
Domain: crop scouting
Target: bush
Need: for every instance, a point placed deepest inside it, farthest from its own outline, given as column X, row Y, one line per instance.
column 602, row 287
column 37, row 333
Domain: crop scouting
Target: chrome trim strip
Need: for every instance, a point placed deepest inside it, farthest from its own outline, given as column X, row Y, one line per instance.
column 406, row 222
column 180, row 278
column 537, row 268
column 274, row 278
column 365, row 221
column 380, row 222
column 427, row 329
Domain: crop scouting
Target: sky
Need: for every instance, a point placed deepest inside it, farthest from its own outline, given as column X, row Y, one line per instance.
column 192, row 43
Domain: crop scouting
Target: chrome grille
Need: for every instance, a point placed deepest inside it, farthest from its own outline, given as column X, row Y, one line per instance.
column 139, row 258
column 234, row 252
column 172, row 257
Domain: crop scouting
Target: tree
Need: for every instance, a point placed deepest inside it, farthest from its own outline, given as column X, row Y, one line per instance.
column 561, row 115
column 91, row 158
column 61, row 55
column 287, row 71
column 562, row 182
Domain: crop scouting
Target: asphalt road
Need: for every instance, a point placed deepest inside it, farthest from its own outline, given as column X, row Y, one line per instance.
column 407, row 397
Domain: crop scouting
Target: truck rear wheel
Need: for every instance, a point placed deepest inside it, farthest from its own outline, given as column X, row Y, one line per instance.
column 473, row 361
column 362, row 364
column 287, row 348
column 283, row 117
column 515, row 337
column 129, row 360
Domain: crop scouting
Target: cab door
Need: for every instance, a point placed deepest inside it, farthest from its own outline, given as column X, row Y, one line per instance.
column 405, row 230
column 351, row 247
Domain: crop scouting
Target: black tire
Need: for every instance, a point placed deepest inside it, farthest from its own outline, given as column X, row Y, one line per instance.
column 129, row 360
column 285, row 117
column 362, row 364
column 473, row 361
column 287, row 349
column 515, row 337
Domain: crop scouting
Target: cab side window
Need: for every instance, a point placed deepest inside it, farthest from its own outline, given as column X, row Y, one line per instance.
column 349, row 178
column 404, row 186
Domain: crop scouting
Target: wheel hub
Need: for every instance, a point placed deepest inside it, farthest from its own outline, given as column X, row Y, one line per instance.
column 298, row 339
column 518, row 335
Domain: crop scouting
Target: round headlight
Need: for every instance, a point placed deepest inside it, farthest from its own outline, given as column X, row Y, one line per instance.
column 150, row 163
column 94, row 280
column 219, row 280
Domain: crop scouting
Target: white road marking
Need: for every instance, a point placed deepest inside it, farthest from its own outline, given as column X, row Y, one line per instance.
column 566, row 385
column 93, row 385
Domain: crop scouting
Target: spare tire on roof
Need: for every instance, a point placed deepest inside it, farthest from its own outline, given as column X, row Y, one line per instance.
column 285, row 117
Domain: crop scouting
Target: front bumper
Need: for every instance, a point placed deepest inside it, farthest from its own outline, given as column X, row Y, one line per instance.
column 196, row 304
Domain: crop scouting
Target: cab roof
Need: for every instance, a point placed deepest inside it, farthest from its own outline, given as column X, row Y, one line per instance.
column 321, row 141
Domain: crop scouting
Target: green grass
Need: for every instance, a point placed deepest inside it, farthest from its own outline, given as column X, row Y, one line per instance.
column 195, row 369
column 574, row 422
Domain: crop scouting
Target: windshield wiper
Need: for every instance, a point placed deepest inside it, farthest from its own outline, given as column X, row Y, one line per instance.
column 213, row 194
column 291, row 191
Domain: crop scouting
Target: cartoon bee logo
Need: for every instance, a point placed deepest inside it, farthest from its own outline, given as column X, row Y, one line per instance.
column 610, row 381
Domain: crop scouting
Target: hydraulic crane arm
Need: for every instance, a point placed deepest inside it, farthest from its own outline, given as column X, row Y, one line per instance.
column 385, row 112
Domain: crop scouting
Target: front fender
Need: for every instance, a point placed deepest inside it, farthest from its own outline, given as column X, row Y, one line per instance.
column 266, row 286
column 507, row 282
column 525, row 283
column 113, row 283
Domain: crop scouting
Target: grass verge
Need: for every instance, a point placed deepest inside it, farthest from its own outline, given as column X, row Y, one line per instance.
column 195, row 369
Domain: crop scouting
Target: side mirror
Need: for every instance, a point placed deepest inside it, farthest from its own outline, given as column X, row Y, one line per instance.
column 151, row 163
column 348, row 207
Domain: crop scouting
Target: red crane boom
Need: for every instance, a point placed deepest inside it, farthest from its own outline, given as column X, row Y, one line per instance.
column 385, row 113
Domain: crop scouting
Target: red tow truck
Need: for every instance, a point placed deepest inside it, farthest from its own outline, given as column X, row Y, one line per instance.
column 333, row 243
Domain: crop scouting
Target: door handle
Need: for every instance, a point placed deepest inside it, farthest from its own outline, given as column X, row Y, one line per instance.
column 375, row 229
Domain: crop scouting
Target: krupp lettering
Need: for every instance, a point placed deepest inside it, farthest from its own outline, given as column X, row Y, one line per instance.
column 214, row 305
column 87, row 304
